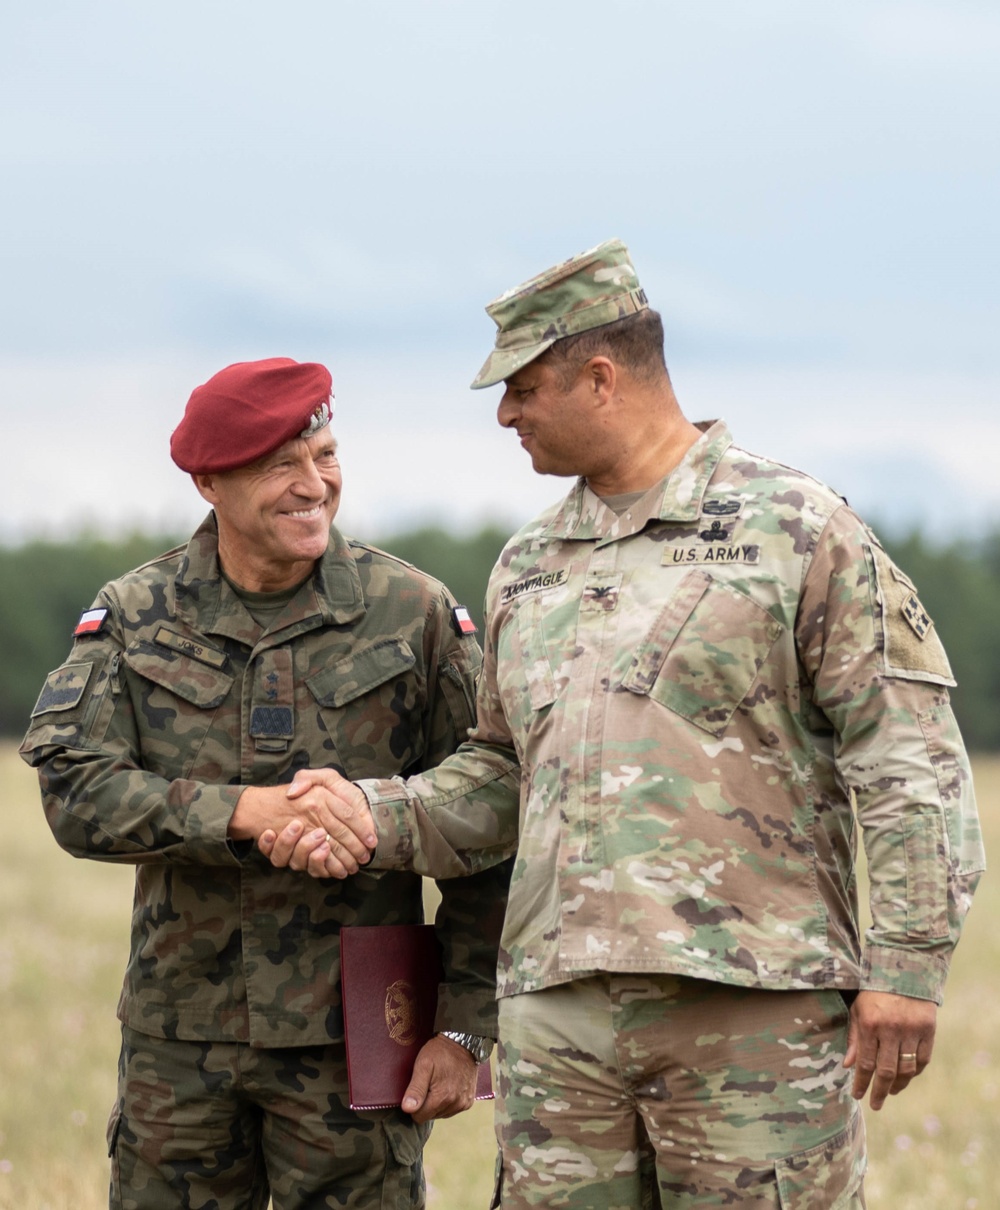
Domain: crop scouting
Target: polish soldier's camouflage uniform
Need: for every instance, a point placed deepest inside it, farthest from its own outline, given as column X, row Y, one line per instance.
column 694, row 690
column 144, row 740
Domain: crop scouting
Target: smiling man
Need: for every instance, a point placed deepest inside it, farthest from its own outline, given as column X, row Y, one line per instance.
column 197, row 686
column 711, row 673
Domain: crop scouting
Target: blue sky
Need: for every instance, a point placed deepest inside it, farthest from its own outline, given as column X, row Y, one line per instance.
column 811, row 194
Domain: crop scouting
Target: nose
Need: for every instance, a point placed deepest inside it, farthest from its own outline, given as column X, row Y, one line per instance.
column 309, row 482
column 507, row 410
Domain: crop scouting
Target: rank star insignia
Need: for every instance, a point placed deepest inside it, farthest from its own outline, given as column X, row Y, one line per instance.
column 461, row 620
column 916, row 615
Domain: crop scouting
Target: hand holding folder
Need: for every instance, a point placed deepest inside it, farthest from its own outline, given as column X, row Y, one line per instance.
column 389, row 976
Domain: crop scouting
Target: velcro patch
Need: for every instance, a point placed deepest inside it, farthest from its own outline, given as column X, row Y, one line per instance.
column 91, row 622
column 721, row 508
column 63, row 688
column 461, row 620
column 739, row 553
column 910, row 645
column 601, row 592
column 535, row 583
column 184, row 646
column 271, row 722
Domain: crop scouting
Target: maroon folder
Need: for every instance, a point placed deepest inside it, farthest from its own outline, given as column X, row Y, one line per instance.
column 389, row 976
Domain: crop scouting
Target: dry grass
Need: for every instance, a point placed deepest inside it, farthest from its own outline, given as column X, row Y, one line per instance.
column 63, row 944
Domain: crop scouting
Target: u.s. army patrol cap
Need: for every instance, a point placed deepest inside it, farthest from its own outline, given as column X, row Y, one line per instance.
column 249, row 409
column 594, row 288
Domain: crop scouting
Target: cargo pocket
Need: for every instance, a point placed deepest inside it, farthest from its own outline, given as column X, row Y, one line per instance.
column 826, row 1177
column 525, row 679
column 497, row 1199
column 704, row 652
column 114, row 1125
column 403, row 1186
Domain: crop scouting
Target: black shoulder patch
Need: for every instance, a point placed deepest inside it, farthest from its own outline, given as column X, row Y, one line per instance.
column 63, row 688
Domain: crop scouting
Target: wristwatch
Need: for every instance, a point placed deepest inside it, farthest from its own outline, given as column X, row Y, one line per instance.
column 479, row 1047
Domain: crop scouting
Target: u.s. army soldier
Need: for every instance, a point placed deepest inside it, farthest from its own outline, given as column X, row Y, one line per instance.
column 197, row 685
column 698, row 658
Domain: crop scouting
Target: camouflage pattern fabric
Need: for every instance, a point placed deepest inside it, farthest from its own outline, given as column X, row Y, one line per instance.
column 694, row 690
column 193, row 1121
column 741, row 1093
column 146, row 736
column 587, row 291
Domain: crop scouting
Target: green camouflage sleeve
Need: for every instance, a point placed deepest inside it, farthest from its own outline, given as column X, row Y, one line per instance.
column 471, row 913
column 879, row 674
column 98, row 801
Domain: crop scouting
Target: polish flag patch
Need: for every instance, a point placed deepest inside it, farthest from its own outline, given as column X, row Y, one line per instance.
column 461, row 620
column 91, row 621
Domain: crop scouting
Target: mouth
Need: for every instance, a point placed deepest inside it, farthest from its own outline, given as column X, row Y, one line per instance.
column 306, row 514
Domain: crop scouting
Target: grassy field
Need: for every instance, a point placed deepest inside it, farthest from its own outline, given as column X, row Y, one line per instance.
column 63, row 944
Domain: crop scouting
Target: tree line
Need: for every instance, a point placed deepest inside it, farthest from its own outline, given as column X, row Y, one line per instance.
column 45, row 585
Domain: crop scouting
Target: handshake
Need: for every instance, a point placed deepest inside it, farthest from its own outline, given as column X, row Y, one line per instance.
column 320, row 824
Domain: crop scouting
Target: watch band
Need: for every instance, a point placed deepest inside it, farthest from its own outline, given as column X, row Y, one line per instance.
column 479, row 1047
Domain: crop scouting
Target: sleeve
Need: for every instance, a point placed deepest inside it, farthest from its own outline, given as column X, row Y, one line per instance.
column 99, row 800
column 462, row 815
column 470, row 916
column 879, row 675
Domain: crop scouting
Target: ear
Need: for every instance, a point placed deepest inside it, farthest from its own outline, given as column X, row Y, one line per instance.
column 205, row 483
column 602, row 376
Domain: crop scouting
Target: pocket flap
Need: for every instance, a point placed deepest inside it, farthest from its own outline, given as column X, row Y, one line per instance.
column 188, row 678
column 360, row 671
column 825, row 1177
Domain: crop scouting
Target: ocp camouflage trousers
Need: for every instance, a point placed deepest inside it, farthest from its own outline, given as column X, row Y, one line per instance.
column 621, row 1091
column 222, row 1126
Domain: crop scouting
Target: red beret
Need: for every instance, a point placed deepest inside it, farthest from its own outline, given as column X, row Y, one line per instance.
column 249, row 409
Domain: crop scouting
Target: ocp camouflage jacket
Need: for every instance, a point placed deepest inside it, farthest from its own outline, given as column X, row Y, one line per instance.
column 695, row 690
column 146, row 736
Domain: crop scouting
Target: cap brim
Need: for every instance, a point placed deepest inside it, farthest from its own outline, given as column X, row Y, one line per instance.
column 501, row 363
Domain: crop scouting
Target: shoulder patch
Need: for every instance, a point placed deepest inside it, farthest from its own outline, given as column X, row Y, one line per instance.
column 63, row 688
column 91, row 622
column 910, row 645
column 462, row 622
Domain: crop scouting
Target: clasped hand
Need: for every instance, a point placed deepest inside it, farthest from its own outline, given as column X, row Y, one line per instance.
column 345, row 835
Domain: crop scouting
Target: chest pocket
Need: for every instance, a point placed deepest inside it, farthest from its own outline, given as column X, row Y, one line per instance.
column 176, row 703
column 524, row 672
column 371, row 705
column 704, row 652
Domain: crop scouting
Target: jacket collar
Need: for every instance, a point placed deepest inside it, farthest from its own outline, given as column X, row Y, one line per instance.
column 677, row 497
column 331, row 596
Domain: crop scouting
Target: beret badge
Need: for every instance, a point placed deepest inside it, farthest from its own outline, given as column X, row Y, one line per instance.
column 320, row 418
